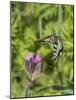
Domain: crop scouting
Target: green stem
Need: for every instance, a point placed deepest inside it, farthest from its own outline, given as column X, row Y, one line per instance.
column 59, row 18
column 40, row 27
column 27, row 88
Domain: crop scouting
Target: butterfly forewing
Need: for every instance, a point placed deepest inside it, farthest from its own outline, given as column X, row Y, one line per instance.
column 48, row 39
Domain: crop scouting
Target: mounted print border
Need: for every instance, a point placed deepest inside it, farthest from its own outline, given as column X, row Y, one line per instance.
column 42, row 49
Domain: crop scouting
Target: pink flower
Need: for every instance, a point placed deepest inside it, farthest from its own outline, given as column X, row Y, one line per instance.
column 33, row 65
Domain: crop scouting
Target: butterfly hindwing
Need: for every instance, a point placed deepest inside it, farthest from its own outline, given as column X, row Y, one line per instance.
column 57, row 46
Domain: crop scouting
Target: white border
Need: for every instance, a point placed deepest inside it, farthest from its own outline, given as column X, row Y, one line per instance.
column 5, row 48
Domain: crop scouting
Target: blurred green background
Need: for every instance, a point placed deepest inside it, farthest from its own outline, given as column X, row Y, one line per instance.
column 30, row 22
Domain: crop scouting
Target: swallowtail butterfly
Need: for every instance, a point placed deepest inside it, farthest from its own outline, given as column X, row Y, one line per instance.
column 57, row 44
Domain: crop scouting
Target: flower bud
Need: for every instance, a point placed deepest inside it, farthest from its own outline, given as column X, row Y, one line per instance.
column 33, row 65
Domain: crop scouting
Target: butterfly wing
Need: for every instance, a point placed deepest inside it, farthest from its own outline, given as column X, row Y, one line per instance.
column 57, row 45
column 48, row 39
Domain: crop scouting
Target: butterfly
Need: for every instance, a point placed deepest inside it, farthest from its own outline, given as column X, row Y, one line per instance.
column 57, row 44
